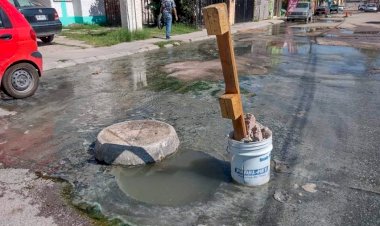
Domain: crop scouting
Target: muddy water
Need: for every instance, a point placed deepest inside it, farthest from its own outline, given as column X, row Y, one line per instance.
column 188, row 176
column 287, row 81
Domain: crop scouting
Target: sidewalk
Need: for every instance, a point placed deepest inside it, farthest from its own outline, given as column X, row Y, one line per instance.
column 67, row 53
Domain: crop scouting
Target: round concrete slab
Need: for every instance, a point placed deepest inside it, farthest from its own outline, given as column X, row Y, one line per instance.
column 137, row 142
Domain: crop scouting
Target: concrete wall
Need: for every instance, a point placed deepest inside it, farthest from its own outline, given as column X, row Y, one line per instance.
column 131, row 14
column 262, row 10
column 80, row 11
column 271, row 9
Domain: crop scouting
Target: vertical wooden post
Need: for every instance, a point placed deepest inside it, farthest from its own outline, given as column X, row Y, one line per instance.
column 217, row 23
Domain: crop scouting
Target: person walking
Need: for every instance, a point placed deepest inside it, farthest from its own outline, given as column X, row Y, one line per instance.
column 167, row 8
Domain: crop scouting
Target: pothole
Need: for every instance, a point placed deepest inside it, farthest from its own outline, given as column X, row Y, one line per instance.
column 187, row 177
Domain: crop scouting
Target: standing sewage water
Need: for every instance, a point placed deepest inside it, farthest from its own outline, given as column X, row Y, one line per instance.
column 185, row 177
column 288, row 80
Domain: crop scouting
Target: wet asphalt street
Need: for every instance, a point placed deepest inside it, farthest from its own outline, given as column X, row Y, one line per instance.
column 321, row 102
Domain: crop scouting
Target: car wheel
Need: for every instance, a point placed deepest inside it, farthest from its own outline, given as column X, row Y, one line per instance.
column 20, row 80
column 47, row 39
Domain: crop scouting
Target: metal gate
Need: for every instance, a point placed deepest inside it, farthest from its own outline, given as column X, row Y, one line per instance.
column 112, row 9
column 243, row 11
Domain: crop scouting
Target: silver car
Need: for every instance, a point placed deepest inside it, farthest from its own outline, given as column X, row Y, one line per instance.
column 370, row 7
column 302, row 11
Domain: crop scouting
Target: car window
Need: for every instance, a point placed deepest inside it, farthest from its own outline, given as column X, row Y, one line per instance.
column 302, row 5
column 12, row 2
column 24, row 3
column 1, row 21
column 4, row 20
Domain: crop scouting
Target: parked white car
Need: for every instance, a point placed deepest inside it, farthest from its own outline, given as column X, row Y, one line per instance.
column 303, row 11
column 370, row 7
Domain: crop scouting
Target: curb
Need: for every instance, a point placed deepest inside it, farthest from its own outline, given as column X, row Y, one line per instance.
column 149, row 46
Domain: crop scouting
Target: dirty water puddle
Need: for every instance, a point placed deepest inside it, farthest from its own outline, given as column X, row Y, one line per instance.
column 186, row 177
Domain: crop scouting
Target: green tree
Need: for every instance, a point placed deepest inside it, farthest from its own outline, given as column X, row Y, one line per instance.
column 185, row 8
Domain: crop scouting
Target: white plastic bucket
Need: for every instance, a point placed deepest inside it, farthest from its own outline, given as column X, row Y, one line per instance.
column 250, row 162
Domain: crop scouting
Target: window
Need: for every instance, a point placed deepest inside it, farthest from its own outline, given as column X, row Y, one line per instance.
column 4, row 20
column 21, row 3
column 1, row 19
column 302, row 5
column 12, row 2
column 25, row 3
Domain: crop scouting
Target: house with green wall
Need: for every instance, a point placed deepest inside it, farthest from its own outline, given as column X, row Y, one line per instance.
column 78, row 11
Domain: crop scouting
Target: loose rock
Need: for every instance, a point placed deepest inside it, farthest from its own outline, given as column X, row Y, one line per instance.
column 309, row 187
column 281, row 196
column 255, row 131
column 281, row 167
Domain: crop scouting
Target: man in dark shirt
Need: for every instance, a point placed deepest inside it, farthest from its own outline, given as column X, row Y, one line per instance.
column 167, row 8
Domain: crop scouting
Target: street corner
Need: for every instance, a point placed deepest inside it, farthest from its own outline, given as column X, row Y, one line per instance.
column 28, row 199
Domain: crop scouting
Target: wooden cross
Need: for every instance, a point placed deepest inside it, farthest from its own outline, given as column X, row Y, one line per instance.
column 217, row 23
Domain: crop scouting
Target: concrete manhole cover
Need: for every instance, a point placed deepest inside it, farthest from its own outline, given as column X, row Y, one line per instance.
column 137, row 142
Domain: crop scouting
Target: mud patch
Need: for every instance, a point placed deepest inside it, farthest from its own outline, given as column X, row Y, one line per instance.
column 212, row 70
column 162, row 82
column 194, row 70
column 253, row 64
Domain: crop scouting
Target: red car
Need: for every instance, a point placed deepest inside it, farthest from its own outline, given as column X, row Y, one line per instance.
column 322, row 10
column 20, row 61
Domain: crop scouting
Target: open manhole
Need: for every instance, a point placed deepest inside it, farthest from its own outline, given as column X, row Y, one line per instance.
column 187, row 177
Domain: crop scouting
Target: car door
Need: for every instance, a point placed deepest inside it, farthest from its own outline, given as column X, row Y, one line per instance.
column 8, row 39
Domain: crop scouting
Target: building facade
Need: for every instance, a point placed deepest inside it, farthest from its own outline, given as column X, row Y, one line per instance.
column 133, row 13
column 80, row 11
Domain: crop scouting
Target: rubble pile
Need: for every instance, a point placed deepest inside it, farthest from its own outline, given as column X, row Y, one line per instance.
column 255, row 131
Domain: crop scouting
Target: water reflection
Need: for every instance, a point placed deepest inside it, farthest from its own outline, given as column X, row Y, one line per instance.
column 69, row 110
column 289, row 43
column 139, row 72
column 187, row 177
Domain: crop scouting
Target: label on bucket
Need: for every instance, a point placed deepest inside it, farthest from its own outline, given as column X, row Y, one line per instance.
column 264, row 158
column 251, row 173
